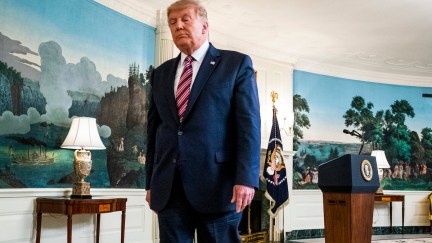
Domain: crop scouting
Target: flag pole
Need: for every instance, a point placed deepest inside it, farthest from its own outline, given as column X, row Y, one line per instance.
column 249, row 220
column 274, row 96
column 275, row 175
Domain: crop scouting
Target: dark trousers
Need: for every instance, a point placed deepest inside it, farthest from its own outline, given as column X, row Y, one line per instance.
column 178, row 221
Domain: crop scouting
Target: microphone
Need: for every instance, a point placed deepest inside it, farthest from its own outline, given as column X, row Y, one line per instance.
column 353, row 133
column 356, row 134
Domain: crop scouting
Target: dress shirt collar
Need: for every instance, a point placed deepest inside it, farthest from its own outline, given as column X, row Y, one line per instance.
column 198, row 55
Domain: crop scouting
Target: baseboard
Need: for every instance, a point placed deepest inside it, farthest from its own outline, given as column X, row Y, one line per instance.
column 319, row 233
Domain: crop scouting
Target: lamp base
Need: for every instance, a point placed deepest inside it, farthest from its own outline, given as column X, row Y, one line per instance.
column 81, row 197
column 379, row 191
column 81, row 190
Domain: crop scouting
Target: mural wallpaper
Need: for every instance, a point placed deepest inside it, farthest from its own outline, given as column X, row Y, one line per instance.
column 60, row 59
column 393, row 118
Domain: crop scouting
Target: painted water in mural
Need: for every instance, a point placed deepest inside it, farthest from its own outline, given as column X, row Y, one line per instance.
column 60, row 59
column 393, row 118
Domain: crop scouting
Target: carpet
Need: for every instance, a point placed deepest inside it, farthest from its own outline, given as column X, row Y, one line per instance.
column 416, row 240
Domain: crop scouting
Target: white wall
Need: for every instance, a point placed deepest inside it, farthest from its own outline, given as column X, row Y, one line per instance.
column 18, row 218
column 305, row 211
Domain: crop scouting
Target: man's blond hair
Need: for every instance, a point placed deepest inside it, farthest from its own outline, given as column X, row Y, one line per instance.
column 182, row 4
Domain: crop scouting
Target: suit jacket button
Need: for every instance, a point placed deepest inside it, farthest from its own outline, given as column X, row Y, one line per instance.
column 180, row 133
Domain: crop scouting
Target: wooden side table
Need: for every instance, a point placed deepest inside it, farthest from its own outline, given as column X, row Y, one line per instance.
column 69, row 207
column 390, row 199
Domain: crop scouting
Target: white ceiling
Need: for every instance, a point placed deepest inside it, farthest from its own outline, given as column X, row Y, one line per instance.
column 381, row 36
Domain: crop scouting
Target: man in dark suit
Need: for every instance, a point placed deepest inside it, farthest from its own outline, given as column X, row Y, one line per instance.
column 203, row 152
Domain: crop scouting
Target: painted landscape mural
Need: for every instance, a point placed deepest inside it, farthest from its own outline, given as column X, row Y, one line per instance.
column 393, row 118
column 60, row 59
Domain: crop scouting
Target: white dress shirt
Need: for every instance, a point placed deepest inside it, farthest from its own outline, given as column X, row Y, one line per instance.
column 198, row 56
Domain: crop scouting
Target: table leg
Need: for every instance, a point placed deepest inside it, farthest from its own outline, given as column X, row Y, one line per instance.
column 391, row 217
column 403, row 216
column 123, row 221
column 38, row 227
column 69, row 229
column 97, row 227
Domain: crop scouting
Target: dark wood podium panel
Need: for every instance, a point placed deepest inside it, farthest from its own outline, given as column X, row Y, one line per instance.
column 348, row 217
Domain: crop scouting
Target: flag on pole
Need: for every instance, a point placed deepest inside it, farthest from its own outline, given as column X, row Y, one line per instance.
column 274, row 171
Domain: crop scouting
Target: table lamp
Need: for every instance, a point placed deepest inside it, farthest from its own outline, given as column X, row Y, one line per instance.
column 382, row 164
column 83, row 134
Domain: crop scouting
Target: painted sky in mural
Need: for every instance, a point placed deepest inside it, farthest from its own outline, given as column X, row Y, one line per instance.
column 78, row 36
column 80, row 31
column 330, row 97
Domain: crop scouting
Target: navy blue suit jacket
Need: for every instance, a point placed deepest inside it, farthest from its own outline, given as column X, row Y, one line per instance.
column 218, row 142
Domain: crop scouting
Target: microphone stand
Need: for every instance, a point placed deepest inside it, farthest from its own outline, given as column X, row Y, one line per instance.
column 361, row 148
column 356, row 134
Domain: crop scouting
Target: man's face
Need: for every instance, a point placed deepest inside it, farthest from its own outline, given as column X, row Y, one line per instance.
column 187, row 29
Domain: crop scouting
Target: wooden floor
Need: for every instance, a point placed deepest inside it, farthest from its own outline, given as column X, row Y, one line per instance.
column 407, row 238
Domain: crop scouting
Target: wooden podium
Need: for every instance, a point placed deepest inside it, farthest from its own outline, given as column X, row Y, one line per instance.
column 348, row 184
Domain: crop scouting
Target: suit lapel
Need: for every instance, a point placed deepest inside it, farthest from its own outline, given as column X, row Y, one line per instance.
column 170, row 89
column 210, row 61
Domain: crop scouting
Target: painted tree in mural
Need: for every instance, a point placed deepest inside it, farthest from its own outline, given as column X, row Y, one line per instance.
column 128, row 129
column 426, row 142
column 409, row 155
column 417, row 149
column 145, row 78
column 300, row 107
column 387, row 130
column 361, row 117
column 384, row 129
column 396, row 133
column 134, row 70
column 301, row 120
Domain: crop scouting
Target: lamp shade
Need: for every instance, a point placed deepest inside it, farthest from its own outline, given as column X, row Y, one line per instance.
column 83, row 134
column 380, row 159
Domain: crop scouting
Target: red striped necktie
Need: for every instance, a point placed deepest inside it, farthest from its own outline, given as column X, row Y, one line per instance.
column 184, row 87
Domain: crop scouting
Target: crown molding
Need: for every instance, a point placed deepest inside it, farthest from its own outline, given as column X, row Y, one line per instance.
column 342, row 71
column 223, row 40
column 352, row 64
column 138, row 10
column 357, row 66
column 380, row 61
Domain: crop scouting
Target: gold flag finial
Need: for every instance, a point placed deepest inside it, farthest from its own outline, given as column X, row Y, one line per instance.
column 274, row 96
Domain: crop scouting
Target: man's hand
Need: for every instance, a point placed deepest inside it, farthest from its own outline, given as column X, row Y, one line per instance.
column 242, row 196
column 148, row 197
